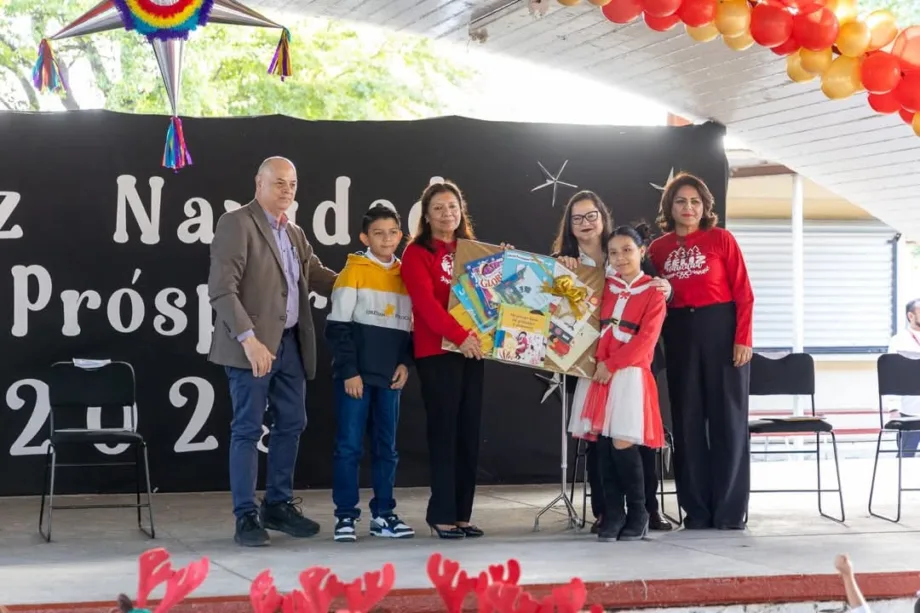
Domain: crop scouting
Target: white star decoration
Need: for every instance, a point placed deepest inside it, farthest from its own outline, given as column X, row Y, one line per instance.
column 660, row 188
column 553, row 386
column 553, row 180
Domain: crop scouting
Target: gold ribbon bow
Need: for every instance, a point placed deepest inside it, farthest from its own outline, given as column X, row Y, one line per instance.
column 565, row 287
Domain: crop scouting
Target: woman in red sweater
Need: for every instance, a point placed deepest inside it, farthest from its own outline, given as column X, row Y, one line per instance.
column 451, row 383
column 707, row 337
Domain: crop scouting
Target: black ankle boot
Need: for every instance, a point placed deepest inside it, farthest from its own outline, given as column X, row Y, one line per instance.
column 629, row 469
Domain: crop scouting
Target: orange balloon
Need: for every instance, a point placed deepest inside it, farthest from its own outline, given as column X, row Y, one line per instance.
column 568, row 2
column 841, row 80
column 703, row 34
column 795, row 71
column 600, row 2
column 845, row 10
column 853, row 38
column 733, row 17
column 816, row 62
column 915, row 124
column 739, row 43
column 884, row 28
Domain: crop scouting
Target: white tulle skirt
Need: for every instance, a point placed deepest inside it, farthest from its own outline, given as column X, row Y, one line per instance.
column 624, row 412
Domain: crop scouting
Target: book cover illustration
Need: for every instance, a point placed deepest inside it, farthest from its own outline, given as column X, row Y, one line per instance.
column 469, row 300
column 524, row 279
column 562, row 315
column 520, row 336
column 565, row 350
column 464, row 318
column 485, row 274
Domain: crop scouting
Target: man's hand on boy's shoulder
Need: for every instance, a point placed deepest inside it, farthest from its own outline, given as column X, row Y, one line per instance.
column 400, row 377
column 354, row 387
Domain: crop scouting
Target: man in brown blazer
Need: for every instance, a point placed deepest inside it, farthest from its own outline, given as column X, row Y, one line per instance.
column 262, row 271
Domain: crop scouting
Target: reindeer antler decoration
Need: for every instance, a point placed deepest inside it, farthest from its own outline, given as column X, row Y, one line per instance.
column 155, row 569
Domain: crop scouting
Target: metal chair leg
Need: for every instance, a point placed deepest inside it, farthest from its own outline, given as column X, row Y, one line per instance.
column 839, row 489
column 51, row 491
column 153, row 533
column 137, row 483
column 878, row 449
column 41, row 511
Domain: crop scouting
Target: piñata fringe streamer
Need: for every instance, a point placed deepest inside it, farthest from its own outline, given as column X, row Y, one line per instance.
column 281, row 63
column 176, row 155
column 45, row 73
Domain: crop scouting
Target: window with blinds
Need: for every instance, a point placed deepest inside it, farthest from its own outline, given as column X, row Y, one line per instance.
column 849, row 284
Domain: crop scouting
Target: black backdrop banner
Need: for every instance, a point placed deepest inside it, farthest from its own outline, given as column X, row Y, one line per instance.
column 107, row 257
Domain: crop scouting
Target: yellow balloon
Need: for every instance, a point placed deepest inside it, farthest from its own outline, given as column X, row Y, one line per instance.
column 841, row 80
column 739, row 43
column 845, row 10
column 915, row 124
column 795, row 71
column 568, row 2
column 703, row 34
column 816, row 62
column 733, row 17
column 854, row 38
column 600, row 2
column 883, row 27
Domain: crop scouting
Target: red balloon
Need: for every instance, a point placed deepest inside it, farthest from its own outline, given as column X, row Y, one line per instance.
column 771, row 25
column 815, row 29
column 661, row 24
column 660, row 8
column 907, row 116
column 697, row 13
column 884, row 103
column 622, row 11
column 880, row 72
column 787, row 48
column 908, row 91
column 907, row 47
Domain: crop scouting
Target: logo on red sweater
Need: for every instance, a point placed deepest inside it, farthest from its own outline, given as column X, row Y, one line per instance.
column 447, row 265
column 682, row 263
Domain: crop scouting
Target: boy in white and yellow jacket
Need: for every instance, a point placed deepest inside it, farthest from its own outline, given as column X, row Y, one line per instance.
column 369, row 331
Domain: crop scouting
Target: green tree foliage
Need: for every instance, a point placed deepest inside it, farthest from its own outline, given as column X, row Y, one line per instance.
column 907, row 11
column 340, row 72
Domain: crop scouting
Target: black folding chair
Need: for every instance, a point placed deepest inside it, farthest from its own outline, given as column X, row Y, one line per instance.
column 898, row 375
column 793, row 375
column 581, row 458
column 73, row 387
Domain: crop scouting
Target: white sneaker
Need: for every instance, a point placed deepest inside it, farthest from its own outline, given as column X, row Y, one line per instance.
column 345, row 531
column 390, row 526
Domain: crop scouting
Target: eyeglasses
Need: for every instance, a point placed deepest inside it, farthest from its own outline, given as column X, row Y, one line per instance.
column 591, row 217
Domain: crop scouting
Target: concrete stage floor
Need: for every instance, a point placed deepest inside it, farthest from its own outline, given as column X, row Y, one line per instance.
column 785, row 555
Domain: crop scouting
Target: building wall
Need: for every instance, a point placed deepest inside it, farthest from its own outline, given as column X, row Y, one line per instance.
column 846, row 386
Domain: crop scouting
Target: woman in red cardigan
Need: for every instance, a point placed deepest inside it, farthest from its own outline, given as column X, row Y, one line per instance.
column 707, row 337
column 451, row 382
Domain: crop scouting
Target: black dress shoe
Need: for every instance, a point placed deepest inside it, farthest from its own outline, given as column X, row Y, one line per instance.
column 447, row 533
column 596, row 526
column 250, row 532
column 657, row 523
column 471, row 531
column 287, row 517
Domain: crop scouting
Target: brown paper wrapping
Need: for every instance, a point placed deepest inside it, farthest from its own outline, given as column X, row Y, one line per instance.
column 584, row 363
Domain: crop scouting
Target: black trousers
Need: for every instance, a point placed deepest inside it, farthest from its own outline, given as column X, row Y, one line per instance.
column 452, row 394
column 709, row 408
column 593, row 462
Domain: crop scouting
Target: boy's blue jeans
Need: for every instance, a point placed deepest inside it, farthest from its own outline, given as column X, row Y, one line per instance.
column 381, row 405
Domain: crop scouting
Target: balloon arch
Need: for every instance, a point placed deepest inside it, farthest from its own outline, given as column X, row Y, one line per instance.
column 826, row 39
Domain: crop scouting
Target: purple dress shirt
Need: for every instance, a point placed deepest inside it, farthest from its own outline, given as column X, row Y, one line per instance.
column 290, row 263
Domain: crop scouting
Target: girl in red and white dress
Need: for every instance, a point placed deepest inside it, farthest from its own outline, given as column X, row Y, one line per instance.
column 619, row 407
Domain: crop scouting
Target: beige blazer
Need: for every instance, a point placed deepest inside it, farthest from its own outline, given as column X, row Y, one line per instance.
column 247, row 288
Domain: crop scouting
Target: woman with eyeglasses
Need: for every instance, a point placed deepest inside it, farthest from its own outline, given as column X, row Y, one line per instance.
column 583, row 232
column 707, row 338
